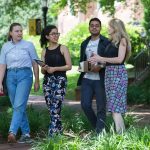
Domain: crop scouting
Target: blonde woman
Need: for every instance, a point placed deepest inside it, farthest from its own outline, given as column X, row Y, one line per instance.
column 116, row 78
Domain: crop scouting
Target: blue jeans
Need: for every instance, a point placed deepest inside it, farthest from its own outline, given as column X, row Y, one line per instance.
column 89, row 88
column 19, row 83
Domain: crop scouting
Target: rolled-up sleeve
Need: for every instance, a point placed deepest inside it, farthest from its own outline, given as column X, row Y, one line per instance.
column 2, row 56
column 32, row 51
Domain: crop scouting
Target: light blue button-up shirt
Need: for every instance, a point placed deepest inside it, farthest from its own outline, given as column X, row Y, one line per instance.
column 18, row 55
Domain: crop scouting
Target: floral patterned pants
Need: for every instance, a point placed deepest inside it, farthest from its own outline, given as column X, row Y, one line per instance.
column 54, row 89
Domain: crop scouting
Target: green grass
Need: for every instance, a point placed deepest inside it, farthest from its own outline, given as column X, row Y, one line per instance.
column 72, row 84
column 78, row 134
column 72, row 120
column 132, row 139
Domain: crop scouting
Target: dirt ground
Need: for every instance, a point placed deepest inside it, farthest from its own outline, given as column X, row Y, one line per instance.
column 142, row 112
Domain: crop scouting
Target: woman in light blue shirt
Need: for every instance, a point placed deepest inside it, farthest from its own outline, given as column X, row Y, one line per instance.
column 17, row 57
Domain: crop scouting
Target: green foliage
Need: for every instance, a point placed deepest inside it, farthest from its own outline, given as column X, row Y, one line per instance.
column 56, row 6
column 39, row 123
column 137, row 42
column 108, row 5
column 139, row 94
column 74, row 120
column 17, row 11
column 75, row 6
column 132, row 139
column 4, row 101
column 146, row 4
column 80, row 5
column 71, row 85
column 79, row 131
column 130, row 120
column 19, row 8
column 5, row 116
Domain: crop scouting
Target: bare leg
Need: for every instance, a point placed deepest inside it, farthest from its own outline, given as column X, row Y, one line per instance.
column 119, row 122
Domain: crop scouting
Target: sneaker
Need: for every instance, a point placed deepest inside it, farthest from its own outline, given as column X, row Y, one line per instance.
column 11, row 138
column 25, row 139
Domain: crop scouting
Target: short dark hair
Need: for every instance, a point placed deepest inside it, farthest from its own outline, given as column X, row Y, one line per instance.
column 95, row 19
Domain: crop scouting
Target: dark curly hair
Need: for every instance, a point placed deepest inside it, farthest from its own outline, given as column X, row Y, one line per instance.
column 46, row 31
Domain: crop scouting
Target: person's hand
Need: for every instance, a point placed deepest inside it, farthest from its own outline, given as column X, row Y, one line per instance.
column 79, row 69
column 36, row 86
column 51, row 69
column 1, row 88
column 95, row 58
column 44, row 69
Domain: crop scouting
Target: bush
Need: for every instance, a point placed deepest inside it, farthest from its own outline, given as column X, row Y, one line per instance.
column 139, row 94
column 5, row 122
column 38, row 120
column 4, row 101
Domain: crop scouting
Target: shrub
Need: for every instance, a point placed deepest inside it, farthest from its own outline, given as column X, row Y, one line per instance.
column 4, row 101
column 38, row 120
column 5, row 122
column 139, row 94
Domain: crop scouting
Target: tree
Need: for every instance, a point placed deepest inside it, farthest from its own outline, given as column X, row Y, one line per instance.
column 17, row 11
column 146, row 23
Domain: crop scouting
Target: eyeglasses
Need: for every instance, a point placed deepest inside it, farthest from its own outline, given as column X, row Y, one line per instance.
column 54, row 34
column 95, row 26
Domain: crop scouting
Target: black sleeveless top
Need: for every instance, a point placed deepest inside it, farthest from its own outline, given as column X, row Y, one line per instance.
column 54, row 58
column 112, row 51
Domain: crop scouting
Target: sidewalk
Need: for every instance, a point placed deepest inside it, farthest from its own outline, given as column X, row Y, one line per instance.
column 39, row 101
column 15, row 146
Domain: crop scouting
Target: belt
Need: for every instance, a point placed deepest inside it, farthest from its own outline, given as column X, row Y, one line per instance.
column 17, row 69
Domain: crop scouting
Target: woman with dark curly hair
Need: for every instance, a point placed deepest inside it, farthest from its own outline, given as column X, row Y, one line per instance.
column 57, row 62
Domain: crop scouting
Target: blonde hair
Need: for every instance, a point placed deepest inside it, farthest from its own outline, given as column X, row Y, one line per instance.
column 119, row 33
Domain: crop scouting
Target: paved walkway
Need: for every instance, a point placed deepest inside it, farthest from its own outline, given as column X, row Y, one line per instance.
column 38, row 101
column 15, row 146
